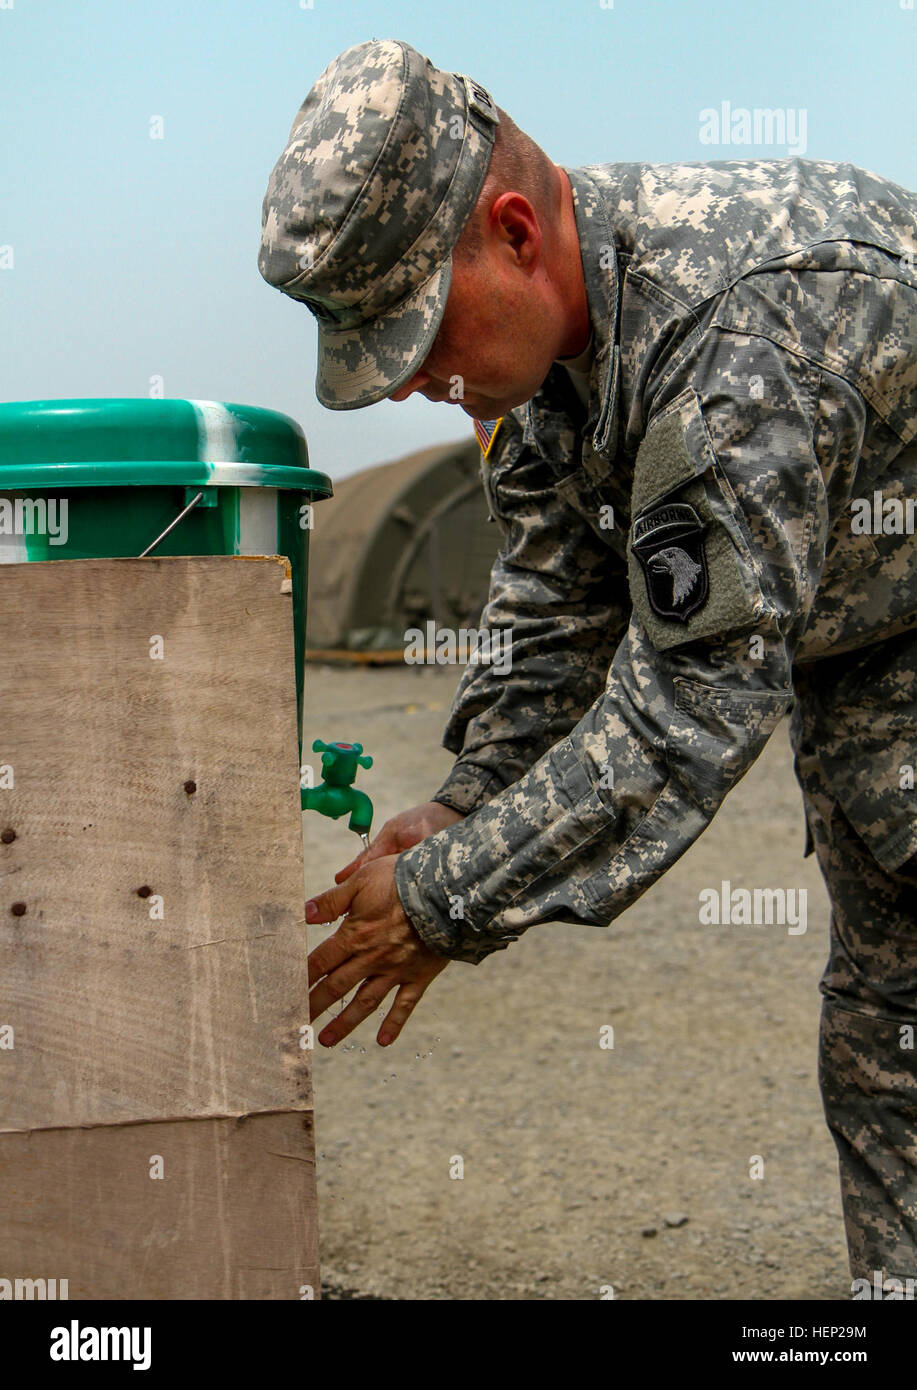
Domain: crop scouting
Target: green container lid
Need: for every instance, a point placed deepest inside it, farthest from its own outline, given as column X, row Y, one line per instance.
column 125, row 442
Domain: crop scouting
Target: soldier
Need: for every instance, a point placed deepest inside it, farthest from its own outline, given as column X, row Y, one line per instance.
column 690, row 382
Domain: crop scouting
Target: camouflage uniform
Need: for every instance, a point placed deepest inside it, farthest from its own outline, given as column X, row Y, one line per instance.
column 755, row 330
column 755, row 378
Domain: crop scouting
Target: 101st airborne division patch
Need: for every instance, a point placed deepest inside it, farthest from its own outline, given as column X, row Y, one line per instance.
column 669, row 543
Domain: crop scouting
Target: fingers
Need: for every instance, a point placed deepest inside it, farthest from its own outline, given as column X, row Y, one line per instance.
column 405, row 1001
column 327, row 989
column 329, row 955
column 366, row 1000
column 348, row 869
column 386, row 842
column 348, row 950
column 329, row 906
column 401, row 832
column 375, row 923
column 376, row 850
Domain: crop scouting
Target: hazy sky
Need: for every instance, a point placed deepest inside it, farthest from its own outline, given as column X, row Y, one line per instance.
column 135, row 258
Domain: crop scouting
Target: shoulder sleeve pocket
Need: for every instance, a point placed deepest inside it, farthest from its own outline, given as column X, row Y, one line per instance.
column 691, row 566
column 716, row 733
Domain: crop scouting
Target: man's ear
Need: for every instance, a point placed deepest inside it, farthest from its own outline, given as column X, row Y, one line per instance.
column 515, row 222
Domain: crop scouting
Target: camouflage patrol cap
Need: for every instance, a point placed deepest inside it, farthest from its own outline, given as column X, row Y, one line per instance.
column 384, row 163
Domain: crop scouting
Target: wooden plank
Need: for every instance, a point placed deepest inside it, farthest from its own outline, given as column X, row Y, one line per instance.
column 176, row 775
column 342, row 656
column 231, row 1216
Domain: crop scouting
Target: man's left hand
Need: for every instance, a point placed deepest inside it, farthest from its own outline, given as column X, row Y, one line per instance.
column 376, row 944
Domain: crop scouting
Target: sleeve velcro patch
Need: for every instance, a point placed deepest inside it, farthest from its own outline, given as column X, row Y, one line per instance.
column 692, row 573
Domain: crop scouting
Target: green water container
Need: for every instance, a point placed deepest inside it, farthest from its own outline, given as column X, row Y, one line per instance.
column 83, row 479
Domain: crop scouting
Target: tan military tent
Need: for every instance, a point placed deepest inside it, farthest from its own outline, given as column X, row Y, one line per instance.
column 400, row 544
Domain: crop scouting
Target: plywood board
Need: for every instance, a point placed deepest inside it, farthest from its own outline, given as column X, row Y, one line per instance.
column 192, row 1209
column 149, row 719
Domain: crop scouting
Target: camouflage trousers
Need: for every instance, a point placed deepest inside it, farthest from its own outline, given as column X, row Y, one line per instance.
column 850, row 710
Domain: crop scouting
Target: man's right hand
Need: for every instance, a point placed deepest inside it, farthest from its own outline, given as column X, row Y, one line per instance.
column 402, row 831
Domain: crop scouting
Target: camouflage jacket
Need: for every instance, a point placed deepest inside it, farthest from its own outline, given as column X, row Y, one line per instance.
column 671, row 553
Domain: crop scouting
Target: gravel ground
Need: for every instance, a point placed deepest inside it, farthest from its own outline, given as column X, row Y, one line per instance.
column 584, row 1166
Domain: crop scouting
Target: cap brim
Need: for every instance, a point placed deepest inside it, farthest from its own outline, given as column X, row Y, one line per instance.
column 359, row 366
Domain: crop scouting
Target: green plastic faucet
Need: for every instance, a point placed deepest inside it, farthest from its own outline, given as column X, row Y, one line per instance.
column 336, row 796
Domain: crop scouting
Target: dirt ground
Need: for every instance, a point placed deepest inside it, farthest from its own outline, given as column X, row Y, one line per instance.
column 584, row 1166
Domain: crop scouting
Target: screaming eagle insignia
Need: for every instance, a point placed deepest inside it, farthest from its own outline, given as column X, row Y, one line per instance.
column 669, row 543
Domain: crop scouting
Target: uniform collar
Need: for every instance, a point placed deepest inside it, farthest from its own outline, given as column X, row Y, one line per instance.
column 600, row 272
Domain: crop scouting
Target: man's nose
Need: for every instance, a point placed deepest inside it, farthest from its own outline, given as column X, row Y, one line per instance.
column 416, row 383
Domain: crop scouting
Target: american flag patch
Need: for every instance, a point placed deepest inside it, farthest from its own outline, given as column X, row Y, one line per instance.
column 486, row 431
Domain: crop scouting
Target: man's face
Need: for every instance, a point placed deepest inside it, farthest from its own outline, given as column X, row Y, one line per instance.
column 495, row 342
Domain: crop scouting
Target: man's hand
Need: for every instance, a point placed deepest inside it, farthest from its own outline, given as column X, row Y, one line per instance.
column 376, row 944
column 401, row 832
